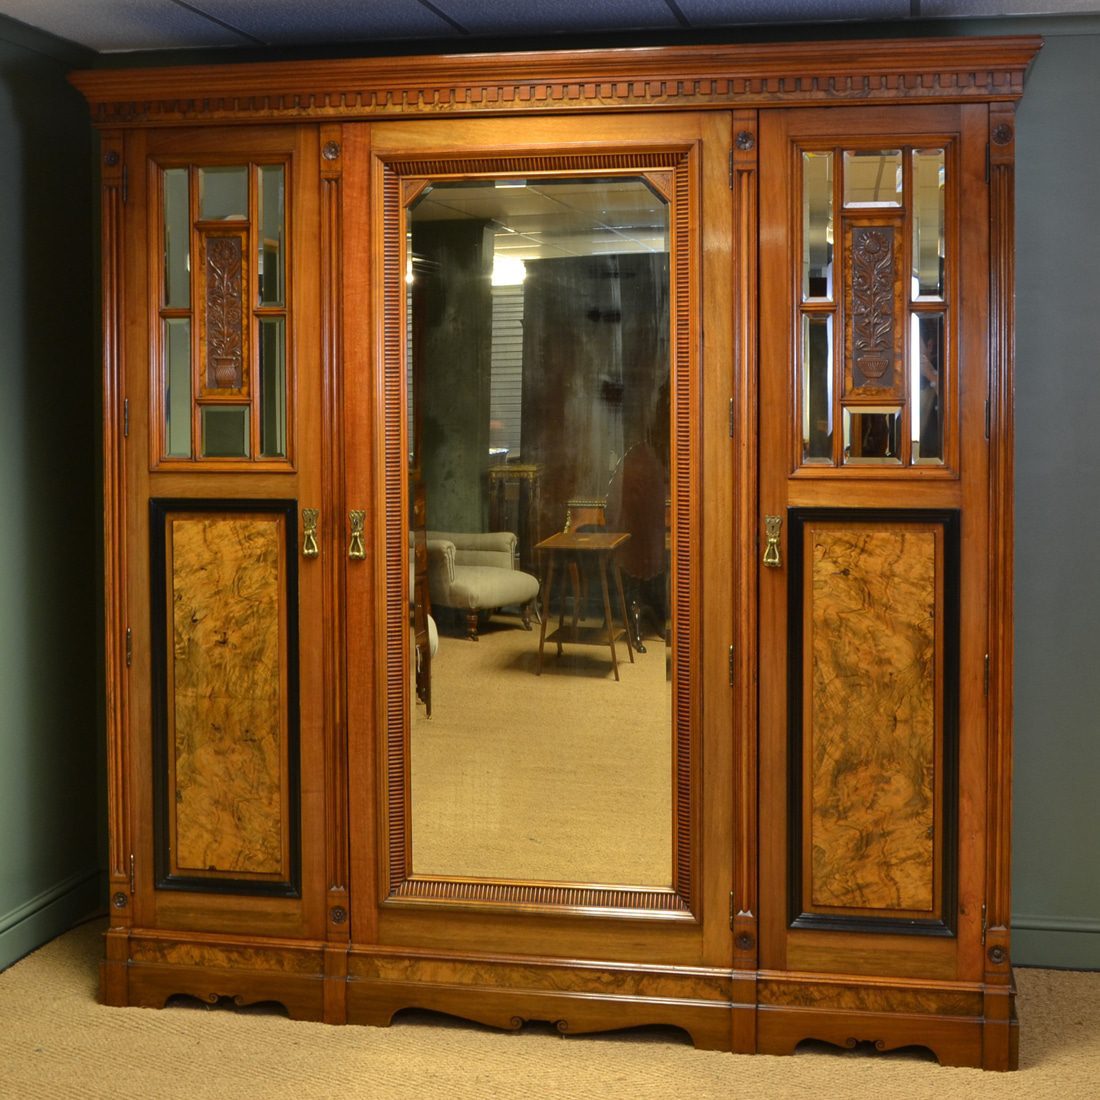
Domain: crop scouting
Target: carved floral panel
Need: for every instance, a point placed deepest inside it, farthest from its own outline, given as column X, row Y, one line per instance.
column 875, row 307
column 224, row 303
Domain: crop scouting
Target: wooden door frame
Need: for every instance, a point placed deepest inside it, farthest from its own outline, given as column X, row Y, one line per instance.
column 566, row 922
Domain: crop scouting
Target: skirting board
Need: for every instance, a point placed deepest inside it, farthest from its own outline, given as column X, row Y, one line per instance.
column 1071, row 942
column 41, row 918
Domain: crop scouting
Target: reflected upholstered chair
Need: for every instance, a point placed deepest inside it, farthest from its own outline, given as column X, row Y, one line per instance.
column 476, row 572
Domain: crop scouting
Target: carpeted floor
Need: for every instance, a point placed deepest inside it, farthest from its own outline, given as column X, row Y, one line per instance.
column 55, row 1041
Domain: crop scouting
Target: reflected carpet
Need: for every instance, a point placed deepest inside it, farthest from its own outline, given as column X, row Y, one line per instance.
column 561, row 777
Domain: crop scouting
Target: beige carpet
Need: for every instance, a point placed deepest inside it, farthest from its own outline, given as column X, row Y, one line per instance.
column 566, row 776
column 55, row 1041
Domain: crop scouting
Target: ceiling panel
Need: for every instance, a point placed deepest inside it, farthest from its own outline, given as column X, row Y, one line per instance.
column 530, row 17
column 937, row 8
column 116, row 25
column 288, row 22
column 716, row 13
column 107, row 25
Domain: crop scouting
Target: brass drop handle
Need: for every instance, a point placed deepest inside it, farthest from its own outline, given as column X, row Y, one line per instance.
column 773, row 525
column 356, row 550
column 310, row 549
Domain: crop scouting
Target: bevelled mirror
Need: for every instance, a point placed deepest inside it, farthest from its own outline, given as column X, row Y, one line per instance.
column 539, row 724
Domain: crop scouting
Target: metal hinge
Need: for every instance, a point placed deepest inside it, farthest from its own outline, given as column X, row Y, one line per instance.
column 987, row 162
column 983, row 924
column 731, row 169
column 985, row 678
column 731, row 661
column 731, row 418
column 732, row 910
column 125, row 418
column 125, row 184
column 131, row 872
column 987, row 418
column 129, row 647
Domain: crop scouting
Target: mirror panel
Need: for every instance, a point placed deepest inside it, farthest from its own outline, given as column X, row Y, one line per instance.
column 272, row 351
column 928, row 223
column 223, row 194
column 926, row 356
column 270, row 238
column 225, row 432
column 872, row 177
column 605, row 443
column 872, row 435
column 817, row 226
column 177, row 397
column 539, row 398
column 177, row 239
column 817, row 388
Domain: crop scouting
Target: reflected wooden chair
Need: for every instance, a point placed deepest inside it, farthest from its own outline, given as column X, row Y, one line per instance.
column 636, row 503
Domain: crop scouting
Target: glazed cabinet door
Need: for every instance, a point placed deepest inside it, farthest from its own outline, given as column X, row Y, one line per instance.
column 537, row 439
column 222, row 536
column 874, row 576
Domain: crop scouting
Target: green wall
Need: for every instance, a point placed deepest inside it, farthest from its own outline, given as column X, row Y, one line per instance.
column 49, row 517
column 50, row 667
column 1056, row 886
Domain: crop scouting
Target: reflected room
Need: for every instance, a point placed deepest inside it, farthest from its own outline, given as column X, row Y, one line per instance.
column 539, row 411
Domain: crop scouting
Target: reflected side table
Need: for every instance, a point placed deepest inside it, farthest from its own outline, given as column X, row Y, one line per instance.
column 568, row 550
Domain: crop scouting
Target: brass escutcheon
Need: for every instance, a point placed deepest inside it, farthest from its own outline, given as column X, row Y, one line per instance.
column 356, row 550
column 773, row 525
column 310, row 549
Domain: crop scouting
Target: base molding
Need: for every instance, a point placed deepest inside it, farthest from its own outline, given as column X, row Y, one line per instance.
column 39, row 919
column 762, row 1012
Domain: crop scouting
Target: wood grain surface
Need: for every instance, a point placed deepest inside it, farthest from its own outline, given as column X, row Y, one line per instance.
column 227, row 735
column 871, row 631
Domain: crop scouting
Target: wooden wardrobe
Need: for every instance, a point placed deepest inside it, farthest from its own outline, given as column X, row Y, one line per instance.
column 296, row 285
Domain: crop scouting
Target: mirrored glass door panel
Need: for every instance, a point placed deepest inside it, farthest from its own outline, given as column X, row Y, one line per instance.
column 538, row 414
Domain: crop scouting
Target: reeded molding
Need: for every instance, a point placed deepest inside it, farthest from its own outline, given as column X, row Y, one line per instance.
column 921, row 70
column 578, row 897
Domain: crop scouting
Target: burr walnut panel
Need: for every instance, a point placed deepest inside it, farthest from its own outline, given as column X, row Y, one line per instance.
column 226, row 741
column 871, row 717
column 225, row 715
column 872, row 724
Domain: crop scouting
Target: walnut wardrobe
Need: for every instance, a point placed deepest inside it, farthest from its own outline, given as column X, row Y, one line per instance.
column 714, row 343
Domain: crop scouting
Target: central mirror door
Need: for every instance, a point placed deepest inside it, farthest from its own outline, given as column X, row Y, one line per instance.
column 538, row 397
column 541, row 444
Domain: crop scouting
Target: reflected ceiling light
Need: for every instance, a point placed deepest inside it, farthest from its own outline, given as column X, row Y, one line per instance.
column 508, row 270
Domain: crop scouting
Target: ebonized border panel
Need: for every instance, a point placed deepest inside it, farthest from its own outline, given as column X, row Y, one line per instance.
column 949, row 839
column 159, row 509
